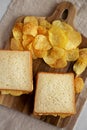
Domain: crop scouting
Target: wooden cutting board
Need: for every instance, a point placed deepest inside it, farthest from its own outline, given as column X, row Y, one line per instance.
column 64, row 11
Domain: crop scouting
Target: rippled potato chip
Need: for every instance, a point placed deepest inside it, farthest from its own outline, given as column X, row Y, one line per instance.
column 44, row 23
column 72, row 55
column 27, row 39
column 16, row 45
column 79, row 66
column 57, row 37
column 30, row 29
column 79, row 84
column 42, row 30
column 31, row 19
column 30, row 48
column 41, row 43
column 56, row 58
column 17, row 31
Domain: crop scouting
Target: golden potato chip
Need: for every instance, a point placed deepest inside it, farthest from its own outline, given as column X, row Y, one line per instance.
column 56, row 58
column 57, row 53
column 27, row 39
column 74, row 39
column 60, row 63
column 79, row 84
column 73, row 54
column 39, row 53
column 49, row 59
column 44, row 23
column 79, row 66
column 30, row 29
column 31, row 19
column 83, row 54
column 17, row 31
column 62, row 25
column 42, row 30
column 67, row 27
column 16, row 45
column 41, row 43
column 57, row 37
column 30, row 48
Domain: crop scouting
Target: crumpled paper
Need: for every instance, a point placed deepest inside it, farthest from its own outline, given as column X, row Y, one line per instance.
column 13, row 120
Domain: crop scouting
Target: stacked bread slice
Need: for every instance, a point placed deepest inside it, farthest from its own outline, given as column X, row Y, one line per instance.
column 15, row 72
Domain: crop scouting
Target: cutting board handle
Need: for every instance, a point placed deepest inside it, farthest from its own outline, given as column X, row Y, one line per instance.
column 65, row 11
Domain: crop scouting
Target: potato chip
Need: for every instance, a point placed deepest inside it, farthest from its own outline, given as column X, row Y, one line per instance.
column 30, row 48
column 31, row 19
column 56, row 58
column 30, row 29
column 57, row 53
column 60, row 63
column 41, row 43
column 39, row 53
column 62, row 25
column 79, row 84
column 74, row 40
column 16, row 45
column 27, row 39
column 49, row 59
column 79, row 66
column 42, row 30
column 13, row 93
column 72, row 55
column 83, row 54
column 67, row 27
column 74, row 37
column 17, row 31
column 57, row 37
column 44, row 23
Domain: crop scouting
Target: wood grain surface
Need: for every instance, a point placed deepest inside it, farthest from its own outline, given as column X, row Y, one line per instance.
column 64, row 11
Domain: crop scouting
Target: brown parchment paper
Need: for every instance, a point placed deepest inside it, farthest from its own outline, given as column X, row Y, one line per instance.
column 41, row 8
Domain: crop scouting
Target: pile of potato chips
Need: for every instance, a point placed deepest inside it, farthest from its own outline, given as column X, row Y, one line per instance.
column 56, row 43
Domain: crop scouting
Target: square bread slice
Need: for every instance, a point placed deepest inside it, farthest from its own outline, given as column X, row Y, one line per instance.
column 15, row 72
column 55, row 94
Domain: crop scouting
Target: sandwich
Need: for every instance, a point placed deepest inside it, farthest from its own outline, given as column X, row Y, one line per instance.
column 55, row 94
column 15, row 72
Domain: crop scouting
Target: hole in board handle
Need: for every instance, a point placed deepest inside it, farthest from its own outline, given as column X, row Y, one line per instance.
column 64, row 14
